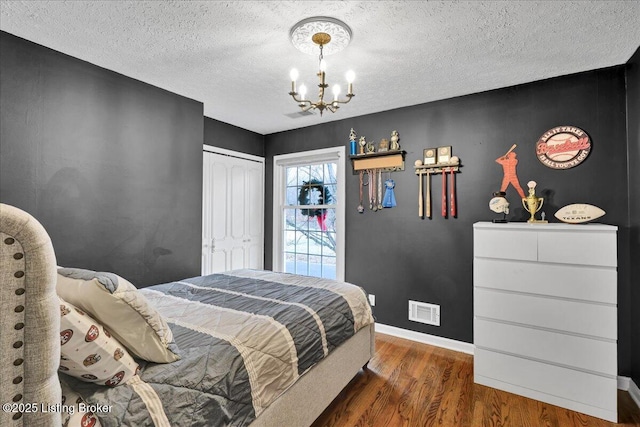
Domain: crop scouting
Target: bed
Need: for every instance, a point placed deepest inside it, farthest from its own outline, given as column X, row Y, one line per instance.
column 243, row 348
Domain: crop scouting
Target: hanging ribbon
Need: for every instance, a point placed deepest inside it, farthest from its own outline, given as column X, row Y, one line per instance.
column 375, row 177
column 379, row 189
column 389, row 200
column 360, row 207
column 370, row 179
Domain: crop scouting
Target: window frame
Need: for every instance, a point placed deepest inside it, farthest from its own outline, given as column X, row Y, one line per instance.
column 280, row 164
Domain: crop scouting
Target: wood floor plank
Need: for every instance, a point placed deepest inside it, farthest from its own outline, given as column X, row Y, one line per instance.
column 409, row 405
column 477, row 408
column 410, row 384
column 628, row 413
column 459, row 399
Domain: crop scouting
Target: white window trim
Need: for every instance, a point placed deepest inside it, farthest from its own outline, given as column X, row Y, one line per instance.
column 280, row 163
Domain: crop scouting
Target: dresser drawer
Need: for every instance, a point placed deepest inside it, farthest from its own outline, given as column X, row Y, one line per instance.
column 556, row 348
column 507, row 244
column 563, row 315
column 597, row 284
column 589, row 389
column 584, row 248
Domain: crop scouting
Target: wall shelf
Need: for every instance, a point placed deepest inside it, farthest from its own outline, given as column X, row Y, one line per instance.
column 437, row 168
column 388, row 161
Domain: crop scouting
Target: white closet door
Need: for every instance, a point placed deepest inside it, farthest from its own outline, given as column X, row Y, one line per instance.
column 233, row 213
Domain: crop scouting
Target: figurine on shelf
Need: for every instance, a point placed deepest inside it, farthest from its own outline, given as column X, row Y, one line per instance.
column 394, row 141
column 352, row 140
column 532, row 203
column 371, row 148
column 362, row 142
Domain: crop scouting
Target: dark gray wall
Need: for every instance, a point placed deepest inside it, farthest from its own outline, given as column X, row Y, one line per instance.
column 224, row 135
column 633, row 130
column 398, row 256
column 111, row 166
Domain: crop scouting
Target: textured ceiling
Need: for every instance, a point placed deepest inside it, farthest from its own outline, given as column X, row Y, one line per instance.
column 235, row 56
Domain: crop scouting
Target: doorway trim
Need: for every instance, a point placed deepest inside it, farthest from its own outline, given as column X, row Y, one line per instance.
column 231, row 153
column 259, row 162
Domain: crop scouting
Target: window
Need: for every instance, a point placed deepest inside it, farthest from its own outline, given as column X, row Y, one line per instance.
column 309, row 213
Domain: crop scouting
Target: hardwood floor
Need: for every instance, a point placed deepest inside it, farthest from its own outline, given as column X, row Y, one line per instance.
column 412, row 384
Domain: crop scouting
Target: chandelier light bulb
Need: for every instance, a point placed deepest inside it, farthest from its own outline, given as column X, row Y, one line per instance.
column 303, row 91
column 351, row 76
column 336, row 92
column 294, row 77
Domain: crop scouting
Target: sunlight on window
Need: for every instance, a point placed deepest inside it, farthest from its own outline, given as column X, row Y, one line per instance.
column 310, row 220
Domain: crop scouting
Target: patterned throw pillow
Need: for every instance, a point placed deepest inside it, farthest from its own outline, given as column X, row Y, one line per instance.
column 89, row 352
column 74, row 412
column 118, row 305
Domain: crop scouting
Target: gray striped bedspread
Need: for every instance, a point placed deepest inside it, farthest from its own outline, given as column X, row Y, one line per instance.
column 245, row 337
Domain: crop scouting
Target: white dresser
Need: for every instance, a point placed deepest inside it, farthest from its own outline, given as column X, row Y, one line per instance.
column 545, row 313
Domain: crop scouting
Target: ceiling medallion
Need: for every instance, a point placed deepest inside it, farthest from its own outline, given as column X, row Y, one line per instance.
column 330, row 36
column 301, row 34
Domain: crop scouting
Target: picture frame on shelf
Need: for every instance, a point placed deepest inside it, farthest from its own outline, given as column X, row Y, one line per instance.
column 429, row 155
column 444, row 154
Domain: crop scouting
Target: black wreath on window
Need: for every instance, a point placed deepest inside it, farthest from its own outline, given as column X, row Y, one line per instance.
column 323, row 199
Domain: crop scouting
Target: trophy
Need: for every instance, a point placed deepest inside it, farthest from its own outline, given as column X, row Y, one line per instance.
column 352, row 140
column 362, row 143
column 533, row 204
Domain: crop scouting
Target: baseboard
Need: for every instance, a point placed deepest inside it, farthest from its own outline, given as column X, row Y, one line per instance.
column 633, row 390
column 437, row 341
column 624, row 383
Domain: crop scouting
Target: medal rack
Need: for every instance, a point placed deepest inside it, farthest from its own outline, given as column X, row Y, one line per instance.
column 387, row 161
column 446, row 169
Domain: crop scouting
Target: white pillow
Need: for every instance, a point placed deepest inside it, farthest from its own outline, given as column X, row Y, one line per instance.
column 88, row 352
column 116, row 303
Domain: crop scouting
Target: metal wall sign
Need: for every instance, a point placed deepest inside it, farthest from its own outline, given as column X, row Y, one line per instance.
column 563, row 147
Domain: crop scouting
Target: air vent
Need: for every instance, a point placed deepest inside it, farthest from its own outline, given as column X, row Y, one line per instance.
column 424, row 313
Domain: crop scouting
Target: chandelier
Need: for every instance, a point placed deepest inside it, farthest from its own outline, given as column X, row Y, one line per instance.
column 308, row 35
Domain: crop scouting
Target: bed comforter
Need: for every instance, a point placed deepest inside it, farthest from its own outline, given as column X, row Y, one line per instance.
column 244, row 336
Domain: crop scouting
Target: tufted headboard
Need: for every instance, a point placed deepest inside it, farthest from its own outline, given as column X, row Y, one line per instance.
column 29, row 322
